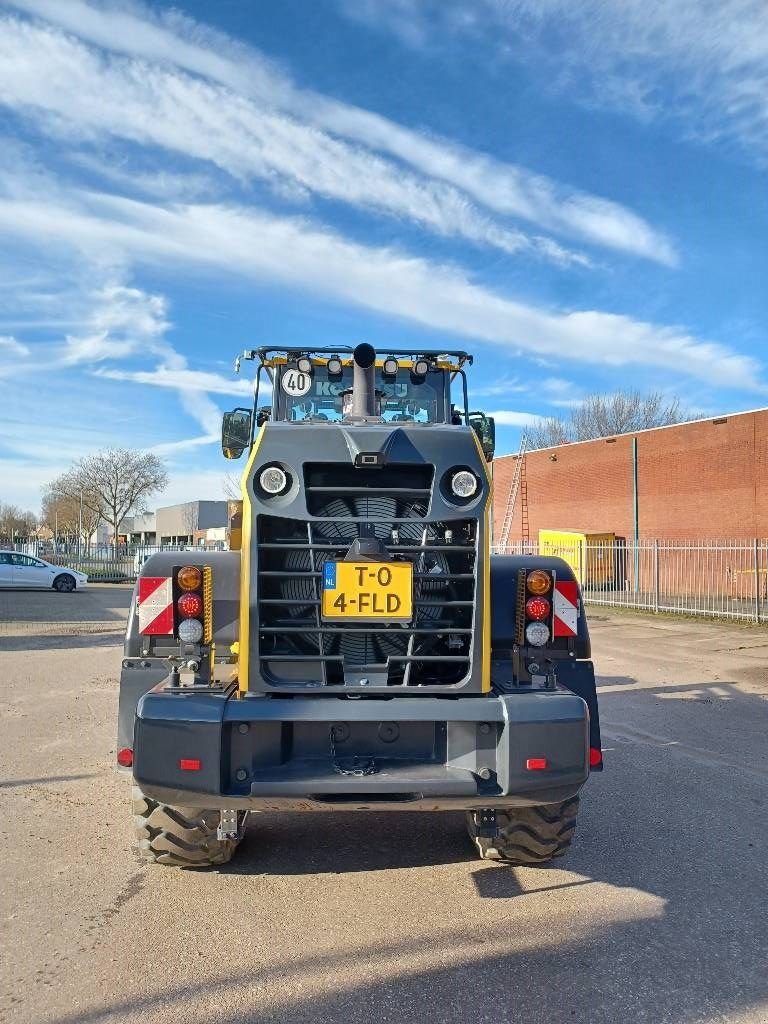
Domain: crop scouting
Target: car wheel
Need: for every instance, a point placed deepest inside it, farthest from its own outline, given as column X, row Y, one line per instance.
column 65, row 583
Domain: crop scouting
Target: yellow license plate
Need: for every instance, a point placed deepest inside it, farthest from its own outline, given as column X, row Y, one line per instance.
column 368, row 591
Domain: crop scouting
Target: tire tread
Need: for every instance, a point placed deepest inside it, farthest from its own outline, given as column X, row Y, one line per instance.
column 529, row 835
column 183, row 837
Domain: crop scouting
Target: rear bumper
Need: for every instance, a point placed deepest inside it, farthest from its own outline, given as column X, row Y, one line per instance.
column 316, row 753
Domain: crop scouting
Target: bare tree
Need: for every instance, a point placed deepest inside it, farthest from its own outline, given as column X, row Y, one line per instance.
column 190, row 516
column 60, row 512
column 116, row 482
column 64, row 500
column 605, row 415
column 230, row 484
column 16, row 523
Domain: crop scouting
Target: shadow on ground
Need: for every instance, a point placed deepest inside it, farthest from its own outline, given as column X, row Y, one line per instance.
column 656, row 914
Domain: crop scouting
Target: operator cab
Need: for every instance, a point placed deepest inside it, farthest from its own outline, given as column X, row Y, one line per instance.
column 402, row 396
column 319, row 386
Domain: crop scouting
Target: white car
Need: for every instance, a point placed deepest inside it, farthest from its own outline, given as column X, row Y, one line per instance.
column 17, row 570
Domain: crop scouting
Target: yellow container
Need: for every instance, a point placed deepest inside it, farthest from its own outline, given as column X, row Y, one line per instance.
column 592, row 556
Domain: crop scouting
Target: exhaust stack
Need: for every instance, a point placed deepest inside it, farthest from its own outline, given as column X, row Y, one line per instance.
column 364, row 404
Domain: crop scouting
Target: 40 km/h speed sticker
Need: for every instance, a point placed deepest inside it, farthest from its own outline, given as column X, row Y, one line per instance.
column 295, row 383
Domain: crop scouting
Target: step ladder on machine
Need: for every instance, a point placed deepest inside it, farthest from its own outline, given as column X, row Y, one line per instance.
column 519, row 487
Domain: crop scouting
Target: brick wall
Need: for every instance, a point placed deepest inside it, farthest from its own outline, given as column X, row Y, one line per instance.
column 705, row 480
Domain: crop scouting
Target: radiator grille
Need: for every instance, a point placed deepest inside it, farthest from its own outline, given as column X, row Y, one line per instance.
column 296, row 646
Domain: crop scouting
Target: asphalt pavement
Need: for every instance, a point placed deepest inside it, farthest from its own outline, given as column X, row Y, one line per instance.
column 657, row 914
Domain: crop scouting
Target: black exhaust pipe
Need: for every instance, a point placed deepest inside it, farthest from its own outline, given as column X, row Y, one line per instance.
column 364, row 405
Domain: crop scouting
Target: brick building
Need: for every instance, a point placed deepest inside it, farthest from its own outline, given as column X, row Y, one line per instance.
column 707, row 479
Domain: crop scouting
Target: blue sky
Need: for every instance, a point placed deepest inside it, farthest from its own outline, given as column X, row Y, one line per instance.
column 574, row 190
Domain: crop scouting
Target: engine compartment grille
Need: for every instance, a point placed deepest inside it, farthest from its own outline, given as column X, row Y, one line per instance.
column 297, row 647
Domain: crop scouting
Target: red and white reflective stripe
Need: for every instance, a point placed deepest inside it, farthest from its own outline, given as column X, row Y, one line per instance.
column 155, row 605
column 565, row 605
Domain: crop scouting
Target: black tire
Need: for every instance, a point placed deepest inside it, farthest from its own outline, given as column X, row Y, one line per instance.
column 64, row 583
column 529, row 835
column 182, row 837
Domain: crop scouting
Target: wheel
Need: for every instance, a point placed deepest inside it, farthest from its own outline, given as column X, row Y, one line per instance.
column 65, row 583
column 529, row 835
column 182, row 837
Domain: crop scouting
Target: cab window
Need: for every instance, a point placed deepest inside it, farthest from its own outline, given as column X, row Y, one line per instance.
column 323, row 399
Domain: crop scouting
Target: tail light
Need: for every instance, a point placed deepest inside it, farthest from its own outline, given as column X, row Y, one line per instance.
column 192, row 603
column 538, row 608
column 125, row 757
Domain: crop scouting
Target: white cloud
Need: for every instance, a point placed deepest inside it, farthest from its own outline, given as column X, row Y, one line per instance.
column 289, row 135
column 9, row 346
column 703, row 63
column 192, row 381
column 82, row 96
column 123, row 321
column 254, row 244
column 511, row 418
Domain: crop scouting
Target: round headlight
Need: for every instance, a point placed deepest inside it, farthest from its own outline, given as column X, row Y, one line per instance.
column 190, row 630
column 273, row 480
column 390, row 367
column 334, row 366
column 464, row 483
column 421, row 368
column 304, row 365
column 537, row 634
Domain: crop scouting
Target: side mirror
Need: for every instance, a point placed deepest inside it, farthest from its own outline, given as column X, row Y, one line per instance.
column 235, row 433
column 485, row 428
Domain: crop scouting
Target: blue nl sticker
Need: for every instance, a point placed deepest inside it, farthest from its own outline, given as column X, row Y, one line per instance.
column 329, row 578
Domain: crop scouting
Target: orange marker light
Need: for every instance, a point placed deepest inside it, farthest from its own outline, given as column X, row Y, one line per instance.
column 189, row 578
column 539, row 582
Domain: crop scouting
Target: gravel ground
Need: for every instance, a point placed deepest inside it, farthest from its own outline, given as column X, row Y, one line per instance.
column 656, row 915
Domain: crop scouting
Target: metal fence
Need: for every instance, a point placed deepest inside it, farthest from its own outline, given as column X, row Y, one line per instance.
column 727, row 578
column 102, row 563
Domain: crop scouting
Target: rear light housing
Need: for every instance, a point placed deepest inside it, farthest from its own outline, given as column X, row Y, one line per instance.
column 193, row 603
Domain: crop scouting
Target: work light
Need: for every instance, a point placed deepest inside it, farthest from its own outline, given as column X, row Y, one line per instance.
column 464, row 483
column 273, row 480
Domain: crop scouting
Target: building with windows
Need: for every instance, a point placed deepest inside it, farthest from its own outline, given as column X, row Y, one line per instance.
column 191, row 522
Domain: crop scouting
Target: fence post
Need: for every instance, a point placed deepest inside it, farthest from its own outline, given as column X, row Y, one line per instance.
column 656, row 575
column 756, row 556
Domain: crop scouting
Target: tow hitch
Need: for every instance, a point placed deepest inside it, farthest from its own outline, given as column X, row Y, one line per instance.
column 486, row 826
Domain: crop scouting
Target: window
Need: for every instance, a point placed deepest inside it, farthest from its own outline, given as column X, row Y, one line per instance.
column 403, row 400
column 26, row 561
column 5, row 558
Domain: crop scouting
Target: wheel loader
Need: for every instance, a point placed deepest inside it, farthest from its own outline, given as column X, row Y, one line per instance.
column 358, row 647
